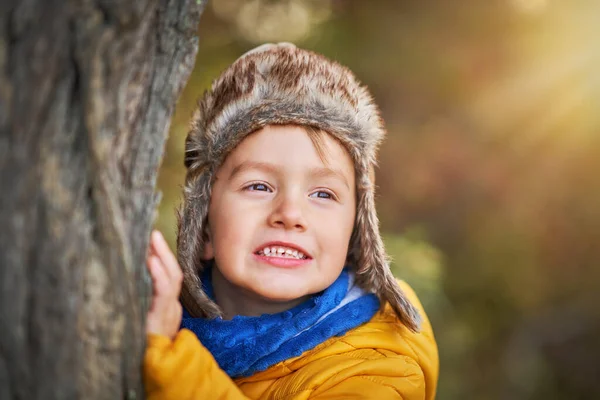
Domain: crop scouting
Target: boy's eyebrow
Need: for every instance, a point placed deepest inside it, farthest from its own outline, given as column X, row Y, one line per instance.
column 324, row 172
column 246, row 165
column 317, row 172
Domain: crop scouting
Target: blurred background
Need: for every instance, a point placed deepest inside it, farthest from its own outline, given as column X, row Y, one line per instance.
column 488, row 188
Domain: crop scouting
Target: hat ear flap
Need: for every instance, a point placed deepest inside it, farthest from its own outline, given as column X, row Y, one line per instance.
column 373, row 271
column 191, row 244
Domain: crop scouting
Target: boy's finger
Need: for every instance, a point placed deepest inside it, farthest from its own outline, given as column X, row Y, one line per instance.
column 174, row 273
column 161, row 282
column 162, row 250
column 168, row 257
column 151, row 250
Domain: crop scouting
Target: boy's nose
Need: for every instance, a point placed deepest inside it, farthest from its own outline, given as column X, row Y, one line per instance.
column 288, row 215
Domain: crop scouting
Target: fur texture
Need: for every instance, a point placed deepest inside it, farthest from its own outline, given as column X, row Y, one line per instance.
column 282, row 84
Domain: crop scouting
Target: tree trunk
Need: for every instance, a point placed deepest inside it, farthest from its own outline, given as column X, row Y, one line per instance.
column 87, row 89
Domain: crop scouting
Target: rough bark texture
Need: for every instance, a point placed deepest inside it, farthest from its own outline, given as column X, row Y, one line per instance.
column 87, row 89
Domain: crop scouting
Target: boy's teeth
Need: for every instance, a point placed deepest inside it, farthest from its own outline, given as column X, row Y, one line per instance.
column 282, row 252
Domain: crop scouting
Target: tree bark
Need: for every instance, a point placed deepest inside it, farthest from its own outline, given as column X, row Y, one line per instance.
column 87, row 89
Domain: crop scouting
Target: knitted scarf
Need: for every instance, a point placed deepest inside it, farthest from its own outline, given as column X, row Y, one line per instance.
column 244, row 345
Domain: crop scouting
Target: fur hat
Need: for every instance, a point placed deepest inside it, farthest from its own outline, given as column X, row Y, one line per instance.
column 282, row 84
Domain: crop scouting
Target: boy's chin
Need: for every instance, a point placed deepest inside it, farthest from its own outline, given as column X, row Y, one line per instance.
column 287, row 289
column 282, row 294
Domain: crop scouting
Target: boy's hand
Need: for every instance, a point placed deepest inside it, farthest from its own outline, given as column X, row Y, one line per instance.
column 164, row 316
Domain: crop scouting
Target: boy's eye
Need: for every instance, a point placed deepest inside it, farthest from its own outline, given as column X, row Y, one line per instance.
column 321, row 194
column 260, row 187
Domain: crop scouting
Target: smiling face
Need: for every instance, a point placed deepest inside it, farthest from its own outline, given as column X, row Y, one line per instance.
column 280, row 217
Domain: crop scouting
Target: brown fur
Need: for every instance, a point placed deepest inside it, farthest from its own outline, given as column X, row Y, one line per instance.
column 281, row 84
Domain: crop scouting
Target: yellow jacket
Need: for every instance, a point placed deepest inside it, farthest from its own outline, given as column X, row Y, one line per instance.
column 378, row 360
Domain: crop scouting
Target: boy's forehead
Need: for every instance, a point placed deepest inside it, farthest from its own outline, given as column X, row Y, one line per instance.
column 291, row 141
column 278, row 148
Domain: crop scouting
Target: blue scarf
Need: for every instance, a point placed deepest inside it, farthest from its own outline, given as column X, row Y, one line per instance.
column 244, row 345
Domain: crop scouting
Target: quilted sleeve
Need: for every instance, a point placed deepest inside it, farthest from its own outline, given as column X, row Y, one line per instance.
column 384, row 378
column 423, row 344
column 183, row 369
column 387, row 361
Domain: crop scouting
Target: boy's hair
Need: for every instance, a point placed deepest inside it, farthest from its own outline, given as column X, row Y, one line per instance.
column 316, row 137
column 282, row 84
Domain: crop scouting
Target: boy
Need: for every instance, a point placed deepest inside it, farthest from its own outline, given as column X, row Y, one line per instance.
column 286, row 286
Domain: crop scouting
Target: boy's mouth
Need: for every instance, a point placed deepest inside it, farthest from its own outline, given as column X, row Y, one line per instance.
column 282, row 251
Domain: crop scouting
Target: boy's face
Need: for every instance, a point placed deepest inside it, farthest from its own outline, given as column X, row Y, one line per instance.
column 274, row 193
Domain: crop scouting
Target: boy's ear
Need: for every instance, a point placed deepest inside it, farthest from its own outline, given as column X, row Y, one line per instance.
column 208, row 253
